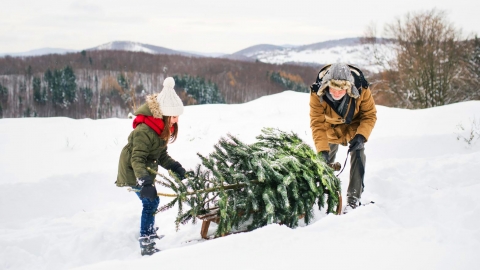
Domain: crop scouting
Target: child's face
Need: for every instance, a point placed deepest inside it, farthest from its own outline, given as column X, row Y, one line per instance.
column 173, row 120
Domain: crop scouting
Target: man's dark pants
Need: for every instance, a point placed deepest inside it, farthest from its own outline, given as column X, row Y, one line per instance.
column 357, row 172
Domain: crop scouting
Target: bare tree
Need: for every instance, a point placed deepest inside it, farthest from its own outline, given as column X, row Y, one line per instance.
column 430, row 59
column 473, row 69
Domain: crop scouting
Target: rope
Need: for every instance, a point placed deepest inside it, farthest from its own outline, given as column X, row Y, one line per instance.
column 344, row 163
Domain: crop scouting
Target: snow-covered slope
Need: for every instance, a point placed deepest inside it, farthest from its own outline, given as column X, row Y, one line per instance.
column 138, row 47
column 60, row 209
column 349, row 50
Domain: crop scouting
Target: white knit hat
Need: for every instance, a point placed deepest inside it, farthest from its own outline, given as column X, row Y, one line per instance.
column 170, row 103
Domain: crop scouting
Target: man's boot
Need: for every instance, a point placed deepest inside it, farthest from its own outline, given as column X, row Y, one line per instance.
column 352, row 204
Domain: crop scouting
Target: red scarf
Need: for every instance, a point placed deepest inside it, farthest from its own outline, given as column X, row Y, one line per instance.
column 154, row 123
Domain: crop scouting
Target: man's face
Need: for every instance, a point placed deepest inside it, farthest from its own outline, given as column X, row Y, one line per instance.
column 337, row 93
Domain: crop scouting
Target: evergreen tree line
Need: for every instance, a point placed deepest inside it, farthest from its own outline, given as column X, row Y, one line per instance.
column 3, row 98
column 203, row 92
column 60, row 92
column 56, row 94
column 102, row 84
column 60, row 87
column 287, row 82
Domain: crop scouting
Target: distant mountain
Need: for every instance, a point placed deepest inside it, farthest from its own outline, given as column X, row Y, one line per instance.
column 139, row 47
column 249, row 53
column 119, row 46
column 258, row 48
column 349, row 50
column 331, row 44
column 38, row 52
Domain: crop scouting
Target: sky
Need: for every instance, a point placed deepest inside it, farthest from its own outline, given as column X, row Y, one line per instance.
column 60, row 208
column 210, row 26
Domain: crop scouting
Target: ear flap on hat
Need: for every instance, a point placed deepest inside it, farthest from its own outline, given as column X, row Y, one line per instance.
column 322, row 72
column 317, row 86
column 360, row 81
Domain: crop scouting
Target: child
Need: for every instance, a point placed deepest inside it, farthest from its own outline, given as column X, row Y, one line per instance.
column 155, row 125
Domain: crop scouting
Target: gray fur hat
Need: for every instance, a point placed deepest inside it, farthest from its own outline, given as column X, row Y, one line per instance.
column 338, row 75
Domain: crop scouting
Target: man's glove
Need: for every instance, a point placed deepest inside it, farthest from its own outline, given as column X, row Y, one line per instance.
column 178, row 170
column 356, row 143
column 148, row 188
column 324, row 156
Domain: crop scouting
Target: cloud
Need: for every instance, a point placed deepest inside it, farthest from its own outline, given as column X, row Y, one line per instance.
column 85, row 6
column 222, row 26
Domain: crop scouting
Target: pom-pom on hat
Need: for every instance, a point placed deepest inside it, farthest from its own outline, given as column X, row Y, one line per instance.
column 170, row 103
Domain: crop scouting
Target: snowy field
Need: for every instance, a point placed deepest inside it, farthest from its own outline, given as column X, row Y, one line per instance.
column 60, row 209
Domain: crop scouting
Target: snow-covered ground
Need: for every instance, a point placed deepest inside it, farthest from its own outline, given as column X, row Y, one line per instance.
column 60, row 209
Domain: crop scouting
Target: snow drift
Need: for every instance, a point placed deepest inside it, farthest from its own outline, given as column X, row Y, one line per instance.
column 60, row 209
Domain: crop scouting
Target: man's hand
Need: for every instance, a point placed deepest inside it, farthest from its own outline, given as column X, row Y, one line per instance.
column 356, row 143
column 148, row 188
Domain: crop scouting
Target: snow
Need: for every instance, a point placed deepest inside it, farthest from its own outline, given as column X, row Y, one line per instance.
column 360, row 55
column 60, row 209
column 128, row 46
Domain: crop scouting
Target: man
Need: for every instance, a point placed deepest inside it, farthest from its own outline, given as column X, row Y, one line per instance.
column 342, row 110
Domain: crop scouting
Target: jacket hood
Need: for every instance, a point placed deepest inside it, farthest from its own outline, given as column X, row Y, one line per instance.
column 150, row 108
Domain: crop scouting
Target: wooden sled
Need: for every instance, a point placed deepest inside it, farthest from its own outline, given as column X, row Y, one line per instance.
column 212, row 216
column 206, row 219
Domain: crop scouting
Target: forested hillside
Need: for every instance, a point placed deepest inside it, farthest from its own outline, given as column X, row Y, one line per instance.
column 103, row 84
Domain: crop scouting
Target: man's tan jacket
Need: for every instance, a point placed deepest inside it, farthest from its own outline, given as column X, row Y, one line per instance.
column 329, row 127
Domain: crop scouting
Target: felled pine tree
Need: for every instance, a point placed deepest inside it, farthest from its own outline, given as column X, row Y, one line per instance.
column 277, row 179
